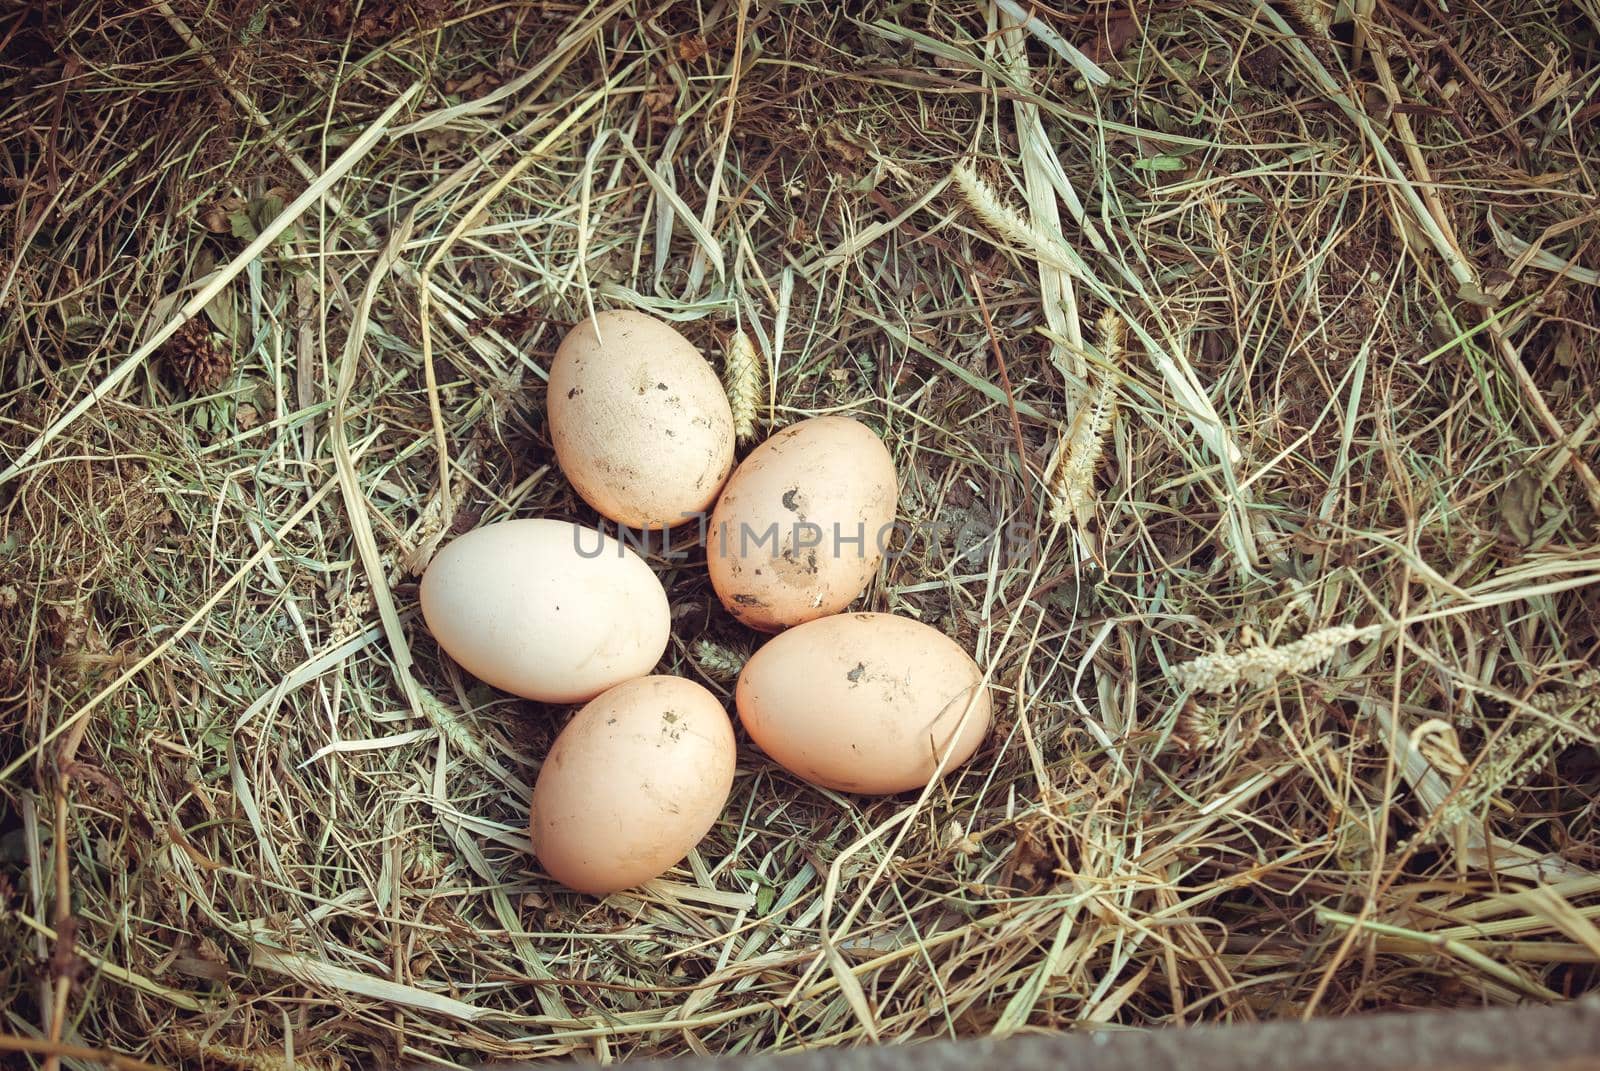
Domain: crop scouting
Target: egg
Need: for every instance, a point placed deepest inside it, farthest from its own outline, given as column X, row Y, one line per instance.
column 863, row 702
column 639, row 420
column 546, row 609
column 633, row 782
column 802, row 524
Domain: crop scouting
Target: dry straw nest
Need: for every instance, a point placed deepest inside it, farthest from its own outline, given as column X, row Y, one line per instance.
column 1295, row 664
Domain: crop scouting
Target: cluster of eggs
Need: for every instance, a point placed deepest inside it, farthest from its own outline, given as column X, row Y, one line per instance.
column 561, row 613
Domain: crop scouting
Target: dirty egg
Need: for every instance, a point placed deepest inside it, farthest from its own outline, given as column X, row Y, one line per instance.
column 546, row 609
column 640, row 422
column 633, row 782
column 864, row 702
column 801, row 526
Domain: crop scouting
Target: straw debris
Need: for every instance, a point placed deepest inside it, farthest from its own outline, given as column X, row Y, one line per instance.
column 280, row 284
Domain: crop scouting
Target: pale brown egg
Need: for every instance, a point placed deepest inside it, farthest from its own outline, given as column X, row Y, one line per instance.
column 633, row 782
column 640, row 421
column 803, row 523
column 864, row 702
column 546, row 609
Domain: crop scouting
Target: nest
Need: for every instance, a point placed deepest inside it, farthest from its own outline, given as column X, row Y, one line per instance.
column 1289, row 600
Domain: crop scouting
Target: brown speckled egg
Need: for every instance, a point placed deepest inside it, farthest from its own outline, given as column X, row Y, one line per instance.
column 633, row 782
column 640, row 421
column 864, row 702
column 802, row 524
column 546, row 609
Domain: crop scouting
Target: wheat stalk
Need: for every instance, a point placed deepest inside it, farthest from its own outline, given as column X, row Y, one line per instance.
column 742, row 374
column 1262, row 665
column 1083, row 443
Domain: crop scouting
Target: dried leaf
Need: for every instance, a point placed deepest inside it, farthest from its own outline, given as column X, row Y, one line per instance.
column 1117, row 30
column 223, row 315
column 270, row 206
column 218, row 218
column 691, row 47
column 1519, row 505
column 240, row 225
column 1566, row 350
column 201, row 959
column 1160, row 163
column 1473, row 294
column 659, row 101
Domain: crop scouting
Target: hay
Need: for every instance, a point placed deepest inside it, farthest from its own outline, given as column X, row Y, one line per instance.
column 280, row 286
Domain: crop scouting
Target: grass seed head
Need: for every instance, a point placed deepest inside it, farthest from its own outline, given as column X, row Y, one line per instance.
column 1262, row 665
column 742, row 377
column 1083, row 441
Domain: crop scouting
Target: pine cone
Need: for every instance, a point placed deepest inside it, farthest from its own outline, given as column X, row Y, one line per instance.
column 196, row 359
